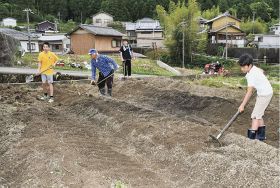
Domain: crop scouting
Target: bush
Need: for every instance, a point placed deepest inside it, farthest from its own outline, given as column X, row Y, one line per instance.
column 201, row 60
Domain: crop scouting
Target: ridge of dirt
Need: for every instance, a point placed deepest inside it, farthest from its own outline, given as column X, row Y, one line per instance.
column 152, row 133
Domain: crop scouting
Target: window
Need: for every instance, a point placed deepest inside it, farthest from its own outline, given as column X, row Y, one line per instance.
column 98, row 21
column 116, row 43
column 55, row 47
column 146, row 32
column 107, row 21
column 32, row 46
column 260, row 39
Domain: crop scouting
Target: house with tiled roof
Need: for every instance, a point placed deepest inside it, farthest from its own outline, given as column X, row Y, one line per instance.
column 225, row 28
column 102, row 19
column 145, row 33
column 23, row 38
column 104, row 39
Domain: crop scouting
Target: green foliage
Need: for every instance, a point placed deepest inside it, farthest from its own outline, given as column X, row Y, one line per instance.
column 242, row 9
column 119, row 184
column 118, row 26
column 139, row 66
column 258, row 27
column 50, row 18
column 202, row 60
column 67, row 27
column 179, row 23
column 262, row 10
column 201, row 43
column 128, row 10
column 211, row 13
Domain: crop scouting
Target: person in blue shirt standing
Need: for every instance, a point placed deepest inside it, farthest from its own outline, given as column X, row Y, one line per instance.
column 106, row 67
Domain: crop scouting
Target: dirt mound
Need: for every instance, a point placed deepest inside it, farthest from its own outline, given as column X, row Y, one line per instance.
column 152, row 133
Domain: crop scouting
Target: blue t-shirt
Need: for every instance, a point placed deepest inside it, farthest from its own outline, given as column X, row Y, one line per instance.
column 104, row 64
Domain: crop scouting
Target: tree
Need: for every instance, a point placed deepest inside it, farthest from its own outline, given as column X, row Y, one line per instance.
column 211, row 13
column 178, row 20
column 258, row 27
column 262, row 10
column 118, row 26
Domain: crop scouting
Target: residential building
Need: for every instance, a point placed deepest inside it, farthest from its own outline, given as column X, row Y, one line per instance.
column 275, row 29
column 202, row 25
column 23, row 38
column 267, row 41
column 104, row 39
column 46, row 27
column 9, row 22
column 130, row 33
column 146, row 32
column 59, row 43
column 226, row 29
column 102, row 19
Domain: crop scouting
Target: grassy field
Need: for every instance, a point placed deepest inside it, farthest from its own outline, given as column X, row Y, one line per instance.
column 139, row 66
column 237, row 80
column 149, row 67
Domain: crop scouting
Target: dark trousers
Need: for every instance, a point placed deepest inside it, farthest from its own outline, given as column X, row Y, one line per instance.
column 127, row 67
column 108, row 81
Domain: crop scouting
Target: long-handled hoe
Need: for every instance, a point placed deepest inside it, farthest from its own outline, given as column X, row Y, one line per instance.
column 216, row 139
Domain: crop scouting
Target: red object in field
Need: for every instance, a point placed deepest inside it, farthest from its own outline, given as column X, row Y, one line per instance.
column 59, row 64
column 215, row 68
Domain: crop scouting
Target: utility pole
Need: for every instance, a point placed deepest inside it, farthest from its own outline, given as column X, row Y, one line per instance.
column 226, row 34
column 183, row 52
column 254, row 22
column 27, row 10
column 183, row 24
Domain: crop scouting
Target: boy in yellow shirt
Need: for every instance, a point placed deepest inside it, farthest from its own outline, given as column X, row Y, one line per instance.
column 47, row 61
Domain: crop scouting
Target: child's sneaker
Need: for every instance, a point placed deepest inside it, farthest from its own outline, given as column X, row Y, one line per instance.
column 51, row 100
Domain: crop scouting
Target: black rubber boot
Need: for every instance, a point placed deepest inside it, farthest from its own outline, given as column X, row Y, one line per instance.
column 252, row 134
column 261, row 133
column 110, row 92
column 102, row 91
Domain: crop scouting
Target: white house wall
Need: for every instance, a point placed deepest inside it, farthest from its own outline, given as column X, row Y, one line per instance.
column 9, row 22
column 24, row 46
column 150, row 35
column 105, row 19
column 268, row 41
column 238, row 43
column 149, row 43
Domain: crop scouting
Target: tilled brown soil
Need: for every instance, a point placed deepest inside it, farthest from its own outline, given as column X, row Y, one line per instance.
column 152, row 133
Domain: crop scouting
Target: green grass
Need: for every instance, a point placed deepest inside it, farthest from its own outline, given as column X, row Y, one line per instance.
column 119, row 184
column 235, row 82
column 139, row 66
column 220, row 81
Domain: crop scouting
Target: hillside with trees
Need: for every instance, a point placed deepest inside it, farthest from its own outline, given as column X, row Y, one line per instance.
column 126, row 10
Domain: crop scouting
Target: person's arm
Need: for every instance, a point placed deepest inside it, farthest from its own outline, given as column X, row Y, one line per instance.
column 246, row 99
column 112, row 62
column 55, row 60
column 93, row 71
column 39, row 64
column 131, row 53
column 121, row 53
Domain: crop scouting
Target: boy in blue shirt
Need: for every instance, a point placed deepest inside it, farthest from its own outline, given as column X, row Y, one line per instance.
column 106, row 67
column 258, row 81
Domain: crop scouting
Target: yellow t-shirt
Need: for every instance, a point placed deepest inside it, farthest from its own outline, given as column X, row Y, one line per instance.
column 46, row 60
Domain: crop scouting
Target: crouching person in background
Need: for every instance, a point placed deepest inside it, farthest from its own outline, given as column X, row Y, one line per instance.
column 106, row 67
